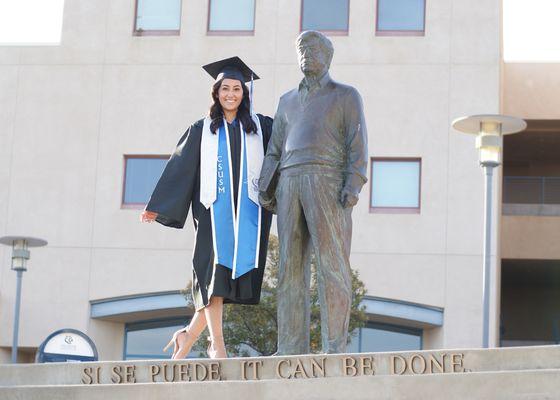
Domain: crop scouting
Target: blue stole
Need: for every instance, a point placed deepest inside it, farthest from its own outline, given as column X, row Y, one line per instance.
column 236, row 234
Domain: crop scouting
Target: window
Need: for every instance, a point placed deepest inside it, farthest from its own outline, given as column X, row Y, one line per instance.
column 231, row 16
column 401, row 17
column 145, row 340
column 325, row 15
column 395, row 185
column 377, row 337
column 158, row 17
column 141, row 174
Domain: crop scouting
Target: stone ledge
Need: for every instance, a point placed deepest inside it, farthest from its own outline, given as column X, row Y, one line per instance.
column 307, row 367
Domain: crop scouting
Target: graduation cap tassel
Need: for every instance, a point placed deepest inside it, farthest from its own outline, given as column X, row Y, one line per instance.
column 251, row 96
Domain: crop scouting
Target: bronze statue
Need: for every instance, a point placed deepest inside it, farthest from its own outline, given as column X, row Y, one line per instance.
column 319, row 150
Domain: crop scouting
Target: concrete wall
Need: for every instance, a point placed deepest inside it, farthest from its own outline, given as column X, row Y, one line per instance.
column 68, row 114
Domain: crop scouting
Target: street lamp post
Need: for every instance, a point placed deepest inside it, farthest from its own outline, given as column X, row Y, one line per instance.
column 489, row 141
column 20, row 255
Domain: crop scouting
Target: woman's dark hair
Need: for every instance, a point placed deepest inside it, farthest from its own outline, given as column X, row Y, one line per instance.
column 243, row 112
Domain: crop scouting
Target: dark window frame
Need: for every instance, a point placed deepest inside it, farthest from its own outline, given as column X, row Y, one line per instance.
column 166, row 322
column 210, row 32
column 136, row 206
column 155, row 32
column 330, row 32
column 147, row 324
column 383, row 326
column 396, row 210
column 402, row 32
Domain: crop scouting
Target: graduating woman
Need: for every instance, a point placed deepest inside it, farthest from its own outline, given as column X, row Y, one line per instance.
column 214, row 170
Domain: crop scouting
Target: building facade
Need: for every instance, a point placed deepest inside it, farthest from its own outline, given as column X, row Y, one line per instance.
column 85, row 126
column 530, row 225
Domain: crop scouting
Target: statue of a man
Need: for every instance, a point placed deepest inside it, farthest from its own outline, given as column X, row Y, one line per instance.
column 319, row 149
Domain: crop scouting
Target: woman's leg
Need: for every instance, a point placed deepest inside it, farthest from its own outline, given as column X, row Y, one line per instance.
column 187, row 338
column 213, row 312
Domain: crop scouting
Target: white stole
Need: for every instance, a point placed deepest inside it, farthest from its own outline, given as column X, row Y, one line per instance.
column 209, row 162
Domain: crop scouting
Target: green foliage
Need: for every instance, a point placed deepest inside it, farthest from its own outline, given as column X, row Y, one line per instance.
column 256, row 327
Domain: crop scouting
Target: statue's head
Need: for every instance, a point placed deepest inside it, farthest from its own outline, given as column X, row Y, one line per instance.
column 315, row 53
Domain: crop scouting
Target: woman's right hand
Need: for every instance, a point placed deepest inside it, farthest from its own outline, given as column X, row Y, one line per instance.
column 148, row 216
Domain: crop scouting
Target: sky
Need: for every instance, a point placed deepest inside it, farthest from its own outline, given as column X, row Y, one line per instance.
column 531, row 30
column 30, row 22
column 531, row 27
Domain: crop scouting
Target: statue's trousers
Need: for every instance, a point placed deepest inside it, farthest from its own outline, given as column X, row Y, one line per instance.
column 311, row 217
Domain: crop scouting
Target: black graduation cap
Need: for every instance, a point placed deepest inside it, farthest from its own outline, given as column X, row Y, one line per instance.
column 231, row 68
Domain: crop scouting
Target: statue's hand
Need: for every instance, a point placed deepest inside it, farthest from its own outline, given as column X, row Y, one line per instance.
column 348, row 199
column 267, row 202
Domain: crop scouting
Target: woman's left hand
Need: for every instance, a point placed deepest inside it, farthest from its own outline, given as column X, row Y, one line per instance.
column 148, row 216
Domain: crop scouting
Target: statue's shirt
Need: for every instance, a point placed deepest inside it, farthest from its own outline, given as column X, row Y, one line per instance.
column 322, row 124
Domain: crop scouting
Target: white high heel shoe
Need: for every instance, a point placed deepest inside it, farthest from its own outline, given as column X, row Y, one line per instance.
column 218, row 351
column 175, row 342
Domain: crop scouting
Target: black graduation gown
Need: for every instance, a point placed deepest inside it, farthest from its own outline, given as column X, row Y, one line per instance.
column 178, row 189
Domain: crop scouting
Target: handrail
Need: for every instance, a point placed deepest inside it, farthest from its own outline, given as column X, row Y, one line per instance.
column 531, row 190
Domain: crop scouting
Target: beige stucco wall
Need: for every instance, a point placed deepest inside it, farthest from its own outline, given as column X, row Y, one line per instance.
column 68, row 114
column 530, row 237
column 531, row 90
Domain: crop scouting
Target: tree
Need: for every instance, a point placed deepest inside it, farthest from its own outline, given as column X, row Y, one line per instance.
column 253, row 329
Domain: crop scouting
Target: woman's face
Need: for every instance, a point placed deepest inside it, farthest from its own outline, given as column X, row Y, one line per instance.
column 230, row 94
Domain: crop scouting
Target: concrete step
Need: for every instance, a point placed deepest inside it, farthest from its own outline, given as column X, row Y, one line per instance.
column 529, row 385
